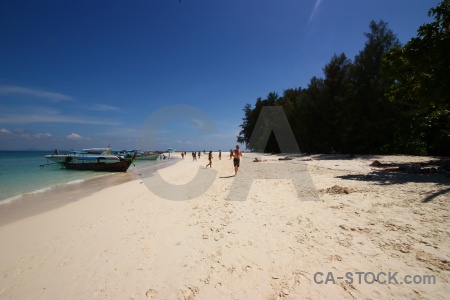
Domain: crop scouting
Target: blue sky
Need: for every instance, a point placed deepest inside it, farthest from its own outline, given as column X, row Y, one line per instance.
column 77, row 74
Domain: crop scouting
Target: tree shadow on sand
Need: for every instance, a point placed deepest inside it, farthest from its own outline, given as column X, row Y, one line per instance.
column 341, row 156
column 436, row 194
column 392, row 178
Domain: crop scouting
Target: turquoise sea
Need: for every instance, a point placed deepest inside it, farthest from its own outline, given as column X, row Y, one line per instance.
column 22, row 177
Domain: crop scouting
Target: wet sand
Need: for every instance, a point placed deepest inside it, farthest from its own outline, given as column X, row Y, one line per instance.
column 64, row 194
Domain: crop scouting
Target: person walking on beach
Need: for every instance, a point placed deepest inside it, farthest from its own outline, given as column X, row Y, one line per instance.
column 210, row 157
column 220, row 154
column 199, row 154
column 231, row 154
column 237, row 153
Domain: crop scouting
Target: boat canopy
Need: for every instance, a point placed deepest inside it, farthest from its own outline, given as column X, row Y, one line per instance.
column 78, row 152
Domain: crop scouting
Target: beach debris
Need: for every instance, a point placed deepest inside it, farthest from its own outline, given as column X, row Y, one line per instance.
column 377, row 163
column 336, row 190
column 432, row 167
column 257, row 159
column 205, row 236
column 285, row 158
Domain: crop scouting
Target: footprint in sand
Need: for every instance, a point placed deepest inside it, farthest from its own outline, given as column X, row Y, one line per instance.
column 191, row 292
column 335, row 258
column 64, row 262
column 206, row 280
column 246, row 268
column 151, row 293
column 439, row 263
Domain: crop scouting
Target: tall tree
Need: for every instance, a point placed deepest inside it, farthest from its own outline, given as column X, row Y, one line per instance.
column 391, row 99
column 249, row 122
column 421, row 70
column 247, row 125
column 372, row 116
column 336, row 93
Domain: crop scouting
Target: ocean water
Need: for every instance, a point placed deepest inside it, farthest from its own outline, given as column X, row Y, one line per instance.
column 22, row 177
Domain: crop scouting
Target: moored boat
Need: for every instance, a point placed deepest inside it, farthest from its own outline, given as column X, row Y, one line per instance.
column 99, row 163
column 96, row 150
column 140, row 155
column 147, row 155
column 59, row 158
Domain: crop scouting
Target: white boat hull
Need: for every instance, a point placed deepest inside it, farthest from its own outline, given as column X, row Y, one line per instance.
column 58, row 158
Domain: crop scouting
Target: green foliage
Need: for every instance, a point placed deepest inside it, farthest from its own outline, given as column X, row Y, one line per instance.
column 251, row 116
column 421, row 89
column 390, row 99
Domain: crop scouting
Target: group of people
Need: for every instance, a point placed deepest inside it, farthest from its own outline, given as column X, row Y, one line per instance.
column 194, row 155
column 236, row 154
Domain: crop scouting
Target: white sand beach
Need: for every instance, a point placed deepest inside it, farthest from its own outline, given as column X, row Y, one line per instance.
column 126, row 242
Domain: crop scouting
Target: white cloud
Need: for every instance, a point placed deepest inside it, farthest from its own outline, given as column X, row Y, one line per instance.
column 42, row 135
column 20, row 133
column 28, row 135
column 20, row 90
column 4, row 131
column 314, row 11
column 199, row 123
column 74, row 137
column 104, row 107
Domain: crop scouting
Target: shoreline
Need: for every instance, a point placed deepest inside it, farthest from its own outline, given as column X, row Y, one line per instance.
column 125, row 241
column 50, row 198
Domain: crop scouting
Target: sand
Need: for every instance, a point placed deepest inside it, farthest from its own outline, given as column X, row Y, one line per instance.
column 128, row 242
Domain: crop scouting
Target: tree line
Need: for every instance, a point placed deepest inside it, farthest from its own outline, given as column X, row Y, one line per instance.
column 390, row 98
